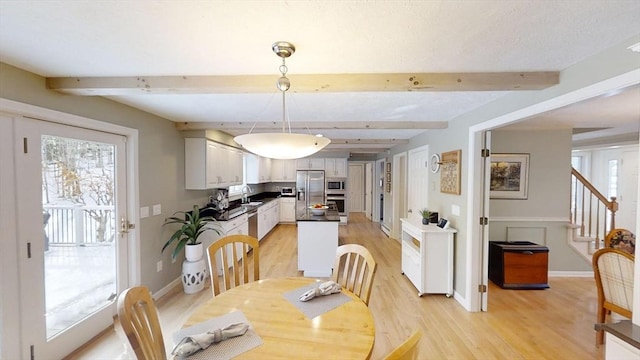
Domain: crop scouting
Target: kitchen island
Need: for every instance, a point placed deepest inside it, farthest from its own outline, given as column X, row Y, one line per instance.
column 317, row 242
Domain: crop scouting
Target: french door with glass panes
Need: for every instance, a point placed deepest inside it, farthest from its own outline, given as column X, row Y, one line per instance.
column 71, row 192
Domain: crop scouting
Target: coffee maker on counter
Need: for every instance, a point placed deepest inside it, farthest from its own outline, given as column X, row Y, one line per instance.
column 219, row 201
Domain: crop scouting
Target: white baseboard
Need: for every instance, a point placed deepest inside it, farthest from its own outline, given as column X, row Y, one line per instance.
column 165, row 290
column 571, row 274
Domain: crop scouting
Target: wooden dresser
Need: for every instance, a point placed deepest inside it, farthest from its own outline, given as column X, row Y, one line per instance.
column 518, row 264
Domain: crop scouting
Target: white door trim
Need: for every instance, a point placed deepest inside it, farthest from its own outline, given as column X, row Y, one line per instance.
column 9, row 285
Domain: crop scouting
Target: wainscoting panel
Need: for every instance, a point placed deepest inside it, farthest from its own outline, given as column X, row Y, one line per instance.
column 536, row 235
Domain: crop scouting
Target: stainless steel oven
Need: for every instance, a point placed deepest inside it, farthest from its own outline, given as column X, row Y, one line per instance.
column 340, row 200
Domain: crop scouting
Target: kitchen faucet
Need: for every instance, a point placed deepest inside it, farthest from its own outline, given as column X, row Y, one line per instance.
column 245, row 191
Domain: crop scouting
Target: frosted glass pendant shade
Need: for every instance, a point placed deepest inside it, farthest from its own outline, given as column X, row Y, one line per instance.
column 282, row 145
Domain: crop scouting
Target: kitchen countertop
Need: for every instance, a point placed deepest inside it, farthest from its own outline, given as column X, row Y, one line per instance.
column 330, row 215
column 236, row 208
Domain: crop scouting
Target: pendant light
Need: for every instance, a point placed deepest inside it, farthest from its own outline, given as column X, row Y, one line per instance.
column 284, row 145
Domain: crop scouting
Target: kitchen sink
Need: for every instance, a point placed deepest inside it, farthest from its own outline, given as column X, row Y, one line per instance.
column 254, row 203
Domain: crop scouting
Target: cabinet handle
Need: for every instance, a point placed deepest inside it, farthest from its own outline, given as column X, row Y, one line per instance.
column 528, row 252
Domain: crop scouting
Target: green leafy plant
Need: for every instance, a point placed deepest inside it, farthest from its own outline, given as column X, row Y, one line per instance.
column 425, row 213
column 193, row 225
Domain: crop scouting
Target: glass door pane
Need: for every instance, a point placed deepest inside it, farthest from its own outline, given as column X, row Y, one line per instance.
column 78, row 207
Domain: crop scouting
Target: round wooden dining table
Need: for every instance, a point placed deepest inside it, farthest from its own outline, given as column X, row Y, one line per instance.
column 345, row 332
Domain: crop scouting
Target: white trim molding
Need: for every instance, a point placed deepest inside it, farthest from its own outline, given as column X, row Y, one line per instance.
column 587, row 274
column 528, row 219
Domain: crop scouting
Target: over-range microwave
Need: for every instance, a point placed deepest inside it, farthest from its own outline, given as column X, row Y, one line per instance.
column 336, row 184
column 286, row 191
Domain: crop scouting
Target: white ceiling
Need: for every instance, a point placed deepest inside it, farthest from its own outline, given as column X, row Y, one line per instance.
column 172, row 38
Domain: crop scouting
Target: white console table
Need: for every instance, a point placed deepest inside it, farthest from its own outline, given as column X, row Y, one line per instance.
column 427, row 257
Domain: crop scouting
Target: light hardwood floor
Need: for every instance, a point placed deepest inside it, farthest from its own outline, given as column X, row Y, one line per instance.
column 556, row 323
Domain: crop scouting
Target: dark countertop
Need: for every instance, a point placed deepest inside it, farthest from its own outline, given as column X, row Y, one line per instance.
column 329, row 215
column 625, row 330
column 237, row 208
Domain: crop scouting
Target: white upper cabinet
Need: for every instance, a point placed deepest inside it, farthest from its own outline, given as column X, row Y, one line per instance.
column 209, row 165
column 283, row 170
column 335, row 168
column 310, row 164
column 257, row 169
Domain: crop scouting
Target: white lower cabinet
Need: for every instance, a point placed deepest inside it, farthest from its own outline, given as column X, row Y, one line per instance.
column 235, row 226
column 287, row 210
column 427, row 257
column 268, row 217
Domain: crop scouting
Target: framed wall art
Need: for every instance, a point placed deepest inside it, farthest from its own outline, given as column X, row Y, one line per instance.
column 450, row 172
column 509, row 176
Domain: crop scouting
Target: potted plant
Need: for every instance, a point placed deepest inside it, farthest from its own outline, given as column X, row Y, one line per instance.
column 192, row 225
column 426, row 215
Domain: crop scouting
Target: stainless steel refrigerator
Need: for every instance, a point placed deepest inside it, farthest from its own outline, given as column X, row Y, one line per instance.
column 309, row 189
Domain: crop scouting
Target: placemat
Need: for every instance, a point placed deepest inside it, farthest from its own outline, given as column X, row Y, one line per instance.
column 226, row 349
column 318, row 305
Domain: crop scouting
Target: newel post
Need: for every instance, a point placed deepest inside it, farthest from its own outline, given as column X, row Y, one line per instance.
column 613, row 208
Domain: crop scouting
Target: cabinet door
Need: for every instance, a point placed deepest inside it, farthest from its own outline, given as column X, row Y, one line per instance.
column 287, row 210
column 283, row 170
column 316, row 164
column 252, row 167
column 277, row 170
column 330, row 167
column 340, row 169
column 235, row 166
column 213, row 164
column 335, row 167
column 302, row 164
column 289, row 170
column 265, row 169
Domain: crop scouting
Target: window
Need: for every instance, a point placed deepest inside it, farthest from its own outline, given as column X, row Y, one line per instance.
column 236, row 189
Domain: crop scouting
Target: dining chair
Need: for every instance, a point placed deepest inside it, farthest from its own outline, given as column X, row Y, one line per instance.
column 354, row 269
column 408, row 350
column 234, row 250
column 138, row 317
column 621, row 239
column 613, row 271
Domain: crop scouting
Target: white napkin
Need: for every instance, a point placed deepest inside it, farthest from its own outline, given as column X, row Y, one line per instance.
column 194, row 343
column 326, row 288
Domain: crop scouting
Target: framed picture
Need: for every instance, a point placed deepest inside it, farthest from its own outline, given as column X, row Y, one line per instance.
column 509, row 176
column 388, row 167
column 450, row 172
column 388, row 177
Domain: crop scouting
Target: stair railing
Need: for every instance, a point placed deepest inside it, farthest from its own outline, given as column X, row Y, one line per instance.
column 591, row 212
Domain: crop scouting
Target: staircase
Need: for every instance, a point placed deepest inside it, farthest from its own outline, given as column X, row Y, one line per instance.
column 592, row 216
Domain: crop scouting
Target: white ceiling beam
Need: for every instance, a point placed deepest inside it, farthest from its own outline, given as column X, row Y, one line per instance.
column 305, row 83
column 325, row 125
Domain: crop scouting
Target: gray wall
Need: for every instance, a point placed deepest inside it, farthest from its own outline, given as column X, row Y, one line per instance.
column 161, row 161
column 539, row 217
column 613, row 62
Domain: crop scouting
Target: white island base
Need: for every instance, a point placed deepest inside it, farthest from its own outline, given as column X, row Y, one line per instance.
column 317, row 244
